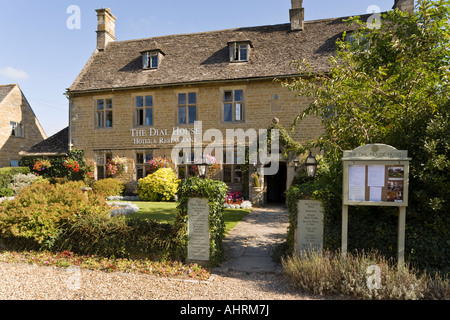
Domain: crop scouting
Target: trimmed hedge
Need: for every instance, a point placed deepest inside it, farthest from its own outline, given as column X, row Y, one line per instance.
column 215, row 191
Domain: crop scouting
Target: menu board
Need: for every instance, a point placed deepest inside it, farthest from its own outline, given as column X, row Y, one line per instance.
column 374, row 182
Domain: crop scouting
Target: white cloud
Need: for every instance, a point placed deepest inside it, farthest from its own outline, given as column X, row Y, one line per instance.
column 14, row 74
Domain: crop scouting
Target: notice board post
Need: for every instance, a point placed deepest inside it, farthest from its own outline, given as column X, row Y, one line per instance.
column 376, row 175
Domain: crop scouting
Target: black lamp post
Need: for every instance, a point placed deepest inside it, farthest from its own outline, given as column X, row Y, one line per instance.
column 311, row 166
column 202, row 167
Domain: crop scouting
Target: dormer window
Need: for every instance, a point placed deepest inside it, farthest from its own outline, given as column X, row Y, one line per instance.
column 239, row 51
column 150, row 60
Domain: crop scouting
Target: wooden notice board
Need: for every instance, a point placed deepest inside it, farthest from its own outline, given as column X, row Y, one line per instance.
column 378, row 179
column 376, row 175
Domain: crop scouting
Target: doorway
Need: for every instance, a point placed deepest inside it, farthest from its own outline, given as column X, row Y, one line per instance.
column 276, row 185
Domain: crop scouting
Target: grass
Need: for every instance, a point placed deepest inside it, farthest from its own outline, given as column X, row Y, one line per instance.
column 167, row 212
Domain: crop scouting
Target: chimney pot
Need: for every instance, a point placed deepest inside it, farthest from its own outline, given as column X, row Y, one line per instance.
column 106, row 28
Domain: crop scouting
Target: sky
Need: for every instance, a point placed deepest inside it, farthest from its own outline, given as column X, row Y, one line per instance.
column 45, row 44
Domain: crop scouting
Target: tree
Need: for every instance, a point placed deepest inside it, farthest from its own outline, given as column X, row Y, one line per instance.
column 391, row 85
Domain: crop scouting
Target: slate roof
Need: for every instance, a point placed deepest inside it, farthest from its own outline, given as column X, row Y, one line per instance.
column 5, row 90
column 203, row 57
column 56, row 145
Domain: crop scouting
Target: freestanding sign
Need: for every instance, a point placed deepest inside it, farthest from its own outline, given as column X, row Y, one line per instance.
column 198, row 229
column 309, row 226
column 376, row 175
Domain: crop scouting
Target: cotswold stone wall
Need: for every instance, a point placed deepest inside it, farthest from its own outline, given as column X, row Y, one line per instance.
column 14, row 107
column 263, row 101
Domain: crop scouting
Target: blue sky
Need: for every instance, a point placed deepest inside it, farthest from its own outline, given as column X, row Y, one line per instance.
column 41, row 54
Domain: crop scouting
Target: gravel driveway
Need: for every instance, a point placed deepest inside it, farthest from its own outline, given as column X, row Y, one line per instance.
column 20, row 282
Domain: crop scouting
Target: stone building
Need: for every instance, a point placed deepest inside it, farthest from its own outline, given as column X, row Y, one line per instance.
column 132, row 95
column 19, row 127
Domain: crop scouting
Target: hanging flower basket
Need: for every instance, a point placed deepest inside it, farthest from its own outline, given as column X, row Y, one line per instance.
column 157, row 163
column 116, row 166
column 42, row 165
column 72, row 165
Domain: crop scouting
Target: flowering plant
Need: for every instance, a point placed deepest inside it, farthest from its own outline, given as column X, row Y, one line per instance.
column 157, row 163
column 117, row 165
column 41, row 165
column 234, row 197
column 72, row 165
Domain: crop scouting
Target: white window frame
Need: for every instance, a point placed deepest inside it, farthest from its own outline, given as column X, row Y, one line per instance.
column 143, row 109
column 147, row 60
column 235, row 105
column 236, row 53
column 101, row 114
column 17, row 129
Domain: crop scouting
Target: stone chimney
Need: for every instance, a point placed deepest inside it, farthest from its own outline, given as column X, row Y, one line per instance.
column 106, row 29
column 404, row 5
column 297, row 15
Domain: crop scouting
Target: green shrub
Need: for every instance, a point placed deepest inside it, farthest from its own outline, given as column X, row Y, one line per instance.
column 6, row 177
column 216, row 192
column 161, row 185
column 118, row 237
column 21, row 181
column 37, row 212
column 109, row 187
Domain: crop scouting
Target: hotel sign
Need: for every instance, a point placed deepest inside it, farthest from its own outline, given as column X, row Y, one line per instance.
column 164, row 136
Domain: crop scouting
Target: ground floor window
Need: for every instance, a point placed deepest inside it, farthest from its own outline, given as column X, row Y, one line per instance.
column 142, row 160
column 102, row 161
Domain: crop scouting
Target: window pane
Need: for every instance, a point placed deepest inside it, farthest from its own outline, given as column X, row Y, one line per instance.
column 228, row 96
column 182, row 99
column 100, row 104
column 243, row 52
column 140, row 117
column 238, row 95
column 100, row 173
column 145, row 60
column 182, row 115
column 148, row 157
column 149, row 117
column 192, row 114
column 109, row 119
column 108, row 103
column 192, row 98
column 139, row 158
column 238, row 114
column 227, row 173
column 154, row 60
column 149, row 101
column 139, row 173
column 227, row 112
column 139, row 102
column 100, row 121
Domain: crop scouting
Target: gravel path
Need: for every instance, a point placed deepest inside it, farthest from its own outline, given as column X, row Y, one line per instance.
column 28, row 282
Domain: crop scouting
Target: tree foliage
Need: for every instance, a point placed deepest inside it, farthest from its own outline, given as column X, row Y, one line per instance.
column 391, row 85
